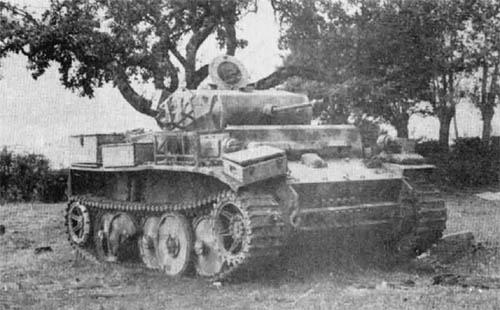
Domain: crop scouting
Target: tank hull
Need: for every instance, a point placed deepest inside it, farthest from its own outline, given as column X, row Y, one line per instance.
column 232, row 178
column 402, row 216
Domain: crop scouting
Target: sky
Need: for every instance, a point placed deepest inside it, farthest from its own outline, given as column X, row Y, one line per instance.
column 39, row 116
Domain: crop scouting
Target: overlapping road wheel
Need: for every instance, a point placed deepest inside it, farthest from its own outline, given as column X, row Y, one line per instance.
column 148, row 242
column 101, row 238
column 175, row 243
column 78, row 223
column 208, row 260
column 115, row 237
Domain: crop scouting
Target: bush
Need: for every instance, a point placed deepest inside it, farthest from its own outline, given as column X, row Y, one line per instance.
column 429, row 148
column 470, row 162
column 25, row 177
column 55, row 186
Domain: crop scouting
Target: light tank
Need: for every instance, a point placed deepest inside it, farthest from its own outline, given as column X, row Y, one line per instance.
column 234, row 173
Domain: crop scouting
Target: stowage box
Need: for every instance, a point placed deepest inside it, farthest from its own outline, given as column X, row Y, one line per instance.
column 86, row 149
column 252, row 165
column 126, row 154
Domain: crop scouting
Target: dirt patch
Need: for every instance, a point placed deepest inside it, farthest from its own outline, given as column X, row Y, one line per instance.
column 482, row 282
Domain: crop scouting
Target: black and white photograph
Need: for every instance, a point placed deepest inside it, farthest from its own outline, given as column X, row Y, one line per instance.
column 249, row 154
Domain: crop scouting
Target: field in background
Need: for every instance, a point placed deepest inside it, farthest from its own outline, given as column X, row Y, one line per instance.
column 325, row 278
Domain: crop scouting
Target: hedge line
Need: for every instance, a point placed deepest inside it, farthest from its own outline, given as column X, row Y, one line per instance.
column 468, row 163
column 28, row 177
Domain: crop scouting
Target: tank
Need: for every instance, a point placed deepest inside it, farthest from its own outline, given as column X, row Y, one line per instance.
column 232, row 175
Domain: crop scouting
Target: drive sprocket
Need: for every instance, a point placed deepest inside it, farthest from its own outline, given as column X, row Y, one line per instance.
column 245, row 229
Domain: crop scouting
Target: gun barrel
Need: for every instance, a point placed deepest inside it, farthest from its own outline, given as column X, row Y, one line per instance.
column 276, row 109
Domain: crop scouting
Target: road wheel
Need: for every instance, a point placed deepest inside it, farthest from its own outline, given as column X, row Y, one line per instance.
column 148, row 242
column 175, row 244
column 208, row 260
column 101, row 238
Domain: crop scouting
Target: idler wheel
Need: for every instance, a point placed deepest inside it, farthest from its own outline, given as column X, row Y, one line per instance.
column 148, row 242
column 208, row 260
column 78, row 221
column 175, row 244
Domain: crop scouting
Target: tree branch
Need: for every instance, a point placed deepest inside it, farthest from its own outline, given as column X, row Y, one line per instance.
column 16, row 11
column 283, row 73
column 192, row 48
column 178, row 55
column 138, row 102
column 231, row 41
column 229, row 21
column 199, row 76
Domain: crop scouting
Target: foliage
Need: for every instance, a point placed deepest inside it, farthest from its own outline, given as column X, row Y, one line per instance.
column 369, row 129
column 470, row 163
column 383, row 57
column 26, row 177
column 366, row 58
column 483, row 47
column 430, row 148
column 100, row 41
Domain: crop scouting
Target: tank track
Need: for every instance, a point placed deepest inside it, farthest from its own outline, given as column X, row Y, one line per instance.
column 266, row 236
column 429, row 221
column 261, row 212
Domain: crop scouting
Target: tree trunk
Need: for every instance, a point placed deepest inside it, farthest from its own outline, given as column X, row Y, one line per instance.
column 445, row 116
column 487, row 115
column 488, row 106
column 401, row 125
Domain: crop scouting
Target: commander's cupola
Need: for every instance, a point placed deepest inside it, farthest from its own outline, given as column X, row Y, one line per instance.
column 227, row 72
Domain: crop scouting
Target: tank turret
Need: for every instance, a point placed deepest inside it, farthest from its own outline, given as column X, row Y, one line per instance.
column 230, row 102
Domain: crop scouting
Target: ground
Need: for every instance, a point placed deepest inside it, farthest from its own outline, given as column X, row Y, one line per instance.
column 331, row 278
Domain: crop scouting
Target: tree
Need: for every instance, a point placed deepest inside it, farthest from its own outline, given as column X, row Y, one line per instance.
column 365, row 51
column 383, row 57
column 440, row 25
column 100, row 41
column 483, row 42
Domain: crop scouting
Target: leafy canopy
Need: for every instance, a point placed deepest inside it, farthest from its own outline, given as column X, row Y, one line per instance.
column 377, row 57
column 100, row 41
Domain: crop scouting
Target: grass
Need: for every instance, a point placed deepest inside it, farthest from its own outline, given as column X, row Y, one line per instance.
column 326, row 278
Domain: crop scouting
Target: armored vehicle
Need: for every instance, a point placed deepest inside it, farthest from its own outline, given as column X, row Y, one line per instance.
column 235, row 172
